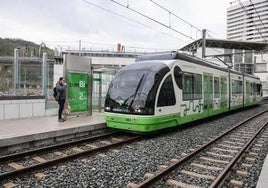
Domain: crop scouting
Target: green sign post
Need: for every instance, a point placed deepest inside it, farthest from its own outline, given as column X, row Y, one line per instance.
column 78, row 91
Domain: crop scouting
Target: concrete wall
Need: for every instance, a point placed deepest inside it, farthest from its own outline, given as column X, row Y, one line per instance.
column 20, row 107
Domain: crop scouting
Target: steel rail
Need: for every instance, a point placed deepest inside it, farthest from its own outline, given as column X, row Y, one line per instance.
column 161, row 174
column 49, row 148
column 221, row 178
column 27, row 170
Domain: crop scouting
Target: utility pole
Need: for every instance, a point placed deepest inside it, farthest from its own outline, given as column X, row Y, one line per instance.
column 79, row 47
column 44, row 75
column 16, row 71
column 203, row 43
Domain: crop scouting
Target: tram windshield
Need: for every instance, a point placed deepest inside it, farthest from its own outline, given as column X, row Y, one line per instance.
column 133, row 89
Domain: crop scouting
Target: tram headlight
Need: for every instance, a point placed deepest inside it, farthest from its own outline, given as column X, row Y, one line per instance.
column 137, row 107
column 107, row 108
column 137, row 110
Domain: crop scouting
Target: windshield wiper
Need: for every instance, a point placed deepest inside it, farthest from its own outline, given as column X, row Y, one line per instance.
column 134, row 96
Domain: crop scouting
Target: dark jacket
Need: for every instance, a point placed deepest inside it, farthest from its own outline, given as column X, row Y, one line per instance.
column 61, row 90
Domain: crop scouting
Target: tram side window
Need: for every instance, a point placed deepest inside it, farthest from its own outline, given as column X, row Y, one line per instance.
column 259, row 86
column 236, row 87
column 166, row 95
column 197, row 86
column 223, row 86
column 254, row 88
column 216, row 87
column 192, row 86
column 240, row 87
column 248, row 88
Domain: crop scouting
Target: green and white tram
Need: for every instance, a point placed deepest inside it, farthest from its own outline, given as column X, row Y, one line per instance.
column 169, row 89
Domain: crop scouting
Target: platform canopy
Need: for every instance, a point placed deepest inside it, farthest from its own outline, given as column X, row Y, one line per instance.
column 226, row 44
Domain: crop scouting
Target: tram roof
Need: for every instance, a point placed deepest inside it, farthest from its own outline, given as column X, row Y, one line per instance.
column 226, row 44
column 175, row 55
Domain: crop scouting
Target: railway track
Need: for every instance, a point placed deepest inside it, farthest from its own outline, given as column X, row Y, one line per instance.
column 14, row 165
column 212, row 163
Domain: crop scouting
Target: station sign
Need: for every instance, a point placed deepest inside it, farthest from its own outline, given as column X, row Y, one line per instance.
column 78, row 91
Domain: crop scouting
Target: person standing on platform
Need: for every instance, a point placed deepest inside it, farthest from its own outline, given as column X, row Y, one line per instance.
column 61, row 96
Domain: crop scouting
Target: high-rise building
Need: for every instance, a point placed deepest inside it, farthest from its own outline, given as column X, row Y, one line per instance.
column 248, row 20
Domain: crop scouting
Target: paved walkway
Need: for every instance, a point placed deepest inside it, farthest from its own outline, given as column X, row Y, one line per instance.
column 263, row 179
column 29, row 129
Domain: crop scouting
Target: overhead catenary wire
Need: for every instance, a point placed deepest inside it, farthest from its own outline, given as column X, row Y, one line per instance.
column 171, row 13
column 192, row 26
column 132, row 20
column 127, row 6
column 168, row 11
column 209, row 31
column 162, row 7
column 154, row 20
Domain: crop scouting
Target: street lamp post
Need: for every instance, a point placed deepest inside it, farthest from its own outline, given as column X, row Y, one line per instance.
column 16, row 72
column 24, row 83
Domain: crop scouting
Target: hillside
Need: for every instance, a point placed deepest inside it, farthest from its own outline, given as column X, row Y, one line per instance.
column 26, row 48
column 29, row 76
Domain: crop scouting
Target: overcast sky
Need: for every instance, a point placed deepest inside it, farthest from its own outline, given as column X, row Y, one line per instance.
column 101, row 24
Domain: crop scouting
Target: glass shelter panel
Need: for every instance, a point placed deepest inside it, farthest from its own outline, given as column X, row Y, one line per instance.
column 98, row 91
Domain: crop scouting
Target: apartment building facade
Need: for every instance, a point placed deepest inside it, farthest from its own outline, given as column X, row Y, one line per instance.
column 248, row 21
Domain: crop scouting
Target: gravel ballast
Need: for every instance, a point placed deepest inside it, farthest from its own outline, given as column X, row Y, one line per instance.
column 130, row 163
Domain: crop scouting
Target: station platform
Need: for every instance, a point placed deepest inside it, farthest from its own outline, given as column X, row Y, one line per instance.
column 17, row 131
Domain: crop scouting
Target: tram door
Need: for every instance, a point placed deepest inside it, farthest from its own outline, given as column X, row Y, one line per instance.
column 208, row 93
